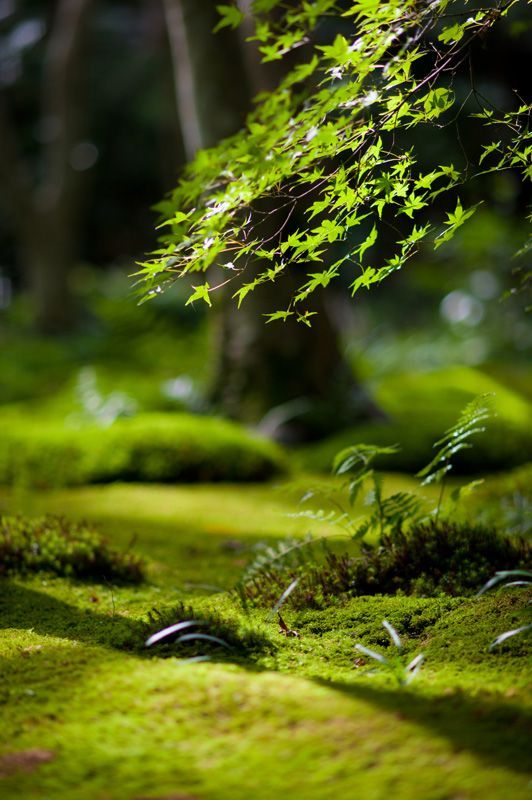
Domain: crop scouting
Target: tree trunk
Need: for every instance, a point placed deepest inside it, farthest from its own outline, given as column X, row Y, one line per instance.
column 48, row 256
column 295, row 380
column 211, row 81
column 44, row 211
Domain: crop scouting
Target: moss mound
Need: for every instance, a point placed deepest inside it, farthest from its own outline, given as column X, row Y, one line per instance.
column 447, row 629
column 421, row 406
column 454, row 558
column 56, row 545
column 147, row 448
column 432, row 558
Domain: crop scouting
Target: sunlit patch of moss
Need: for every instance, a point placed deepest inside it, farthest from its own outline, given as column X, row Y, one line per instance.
column 149, row 447
column 306, row 721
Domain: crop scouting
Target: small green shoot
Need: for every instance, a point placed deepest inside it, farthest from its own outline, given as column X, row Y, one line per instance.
column 171, row 630
column 285, row 595
column 394, row 665
column 453, row 441
column 504, row 580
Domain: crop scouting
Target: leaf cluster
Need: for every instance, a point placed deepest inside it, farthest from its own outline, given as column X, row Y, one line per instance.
column 327, row 144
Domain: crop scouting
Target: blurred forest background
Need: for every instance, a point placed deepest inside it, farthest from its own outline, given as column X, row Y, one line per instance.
column 101, row 105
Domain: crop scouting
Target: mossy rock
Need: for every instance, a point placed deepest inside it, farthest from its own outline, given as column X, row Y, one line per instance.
column 420, row 407
column 146, row 448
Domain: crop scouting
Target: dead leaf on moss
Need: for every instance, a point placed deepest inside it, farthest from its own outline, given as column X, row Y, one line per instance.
column 284, row 629
column 24, row 761
column 32, row 648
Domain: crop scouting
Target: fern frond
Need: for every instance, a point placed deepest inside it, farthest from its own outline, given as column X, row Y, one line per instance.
column 456, row 438
column 287, row 553
column 400, row 507
column 359, row 455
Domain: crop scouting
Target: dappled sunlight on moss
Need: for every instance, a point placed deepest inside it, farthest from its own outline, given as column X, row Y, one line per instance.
column 80, row 683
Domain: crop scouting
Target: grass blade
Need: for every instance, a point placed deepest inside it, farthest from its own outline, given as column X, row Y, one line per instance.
column 516, row 583
column 508, row 634
column 394, row 636
column 206, row 637
column 502, row 576
column 416, row 663
column 287, row 592
column 171, row 629
column 371, row 653
column 194, row 660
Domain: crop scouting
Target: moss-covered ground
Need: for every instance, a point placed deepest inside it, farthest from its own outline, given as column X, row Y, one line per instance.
column 89, row 713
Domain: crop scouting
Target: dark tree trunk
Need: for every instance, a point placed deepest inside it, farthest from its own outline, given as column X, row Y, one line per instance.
column 211, row 81
column 44, row 211
column 48, row 257
column 292, row 378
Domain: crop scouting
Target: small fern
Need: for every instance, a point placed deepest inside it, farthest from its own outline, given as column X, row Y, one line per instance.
column 389, row 513
column 313, row 579
column 357, row 461
column 455, row 439
column 286, row 553
column 272, row 561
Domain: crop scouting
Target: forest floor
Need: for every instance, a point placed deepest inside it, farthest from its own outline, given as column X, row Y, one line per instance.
column 89, row 714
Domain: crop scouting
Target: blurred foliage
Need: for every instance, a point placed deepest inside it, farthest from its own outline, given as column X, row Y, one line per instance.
column 446, row 308
column 133, row 349
column 506, row 500
column 156, row 357
column 420, row 405
column 133, row 142
column 457, row 305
